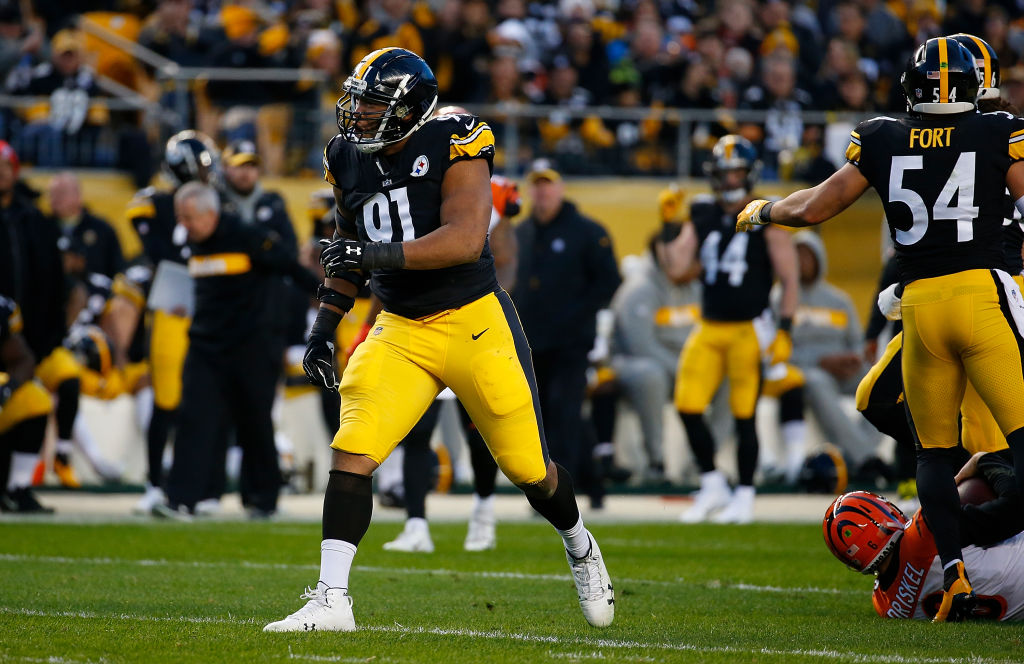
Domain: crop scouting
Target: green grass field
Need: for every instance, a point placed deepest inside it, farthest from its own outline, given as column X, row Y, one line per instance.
column 162, row 592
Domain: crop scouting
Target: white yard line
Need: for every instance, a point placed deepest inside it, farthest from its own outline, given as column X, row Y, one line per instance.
column 483, row 574
column 577, row 642
column 53, row 659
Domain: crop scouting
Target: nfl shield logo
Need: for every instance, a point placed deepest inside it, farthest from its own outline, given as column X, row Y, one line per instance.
column 420, row 166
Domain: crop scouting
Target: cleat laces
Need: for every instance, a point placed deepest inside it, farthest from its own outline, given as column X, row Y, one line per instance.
column 588, row 578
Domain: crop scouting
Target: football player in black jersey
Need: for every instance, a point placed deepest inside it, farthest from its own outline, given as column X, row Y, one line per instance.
column 736, row 323
column 942, row 174
column 24, row 408
column 189, row 155
column 880, row 393
column 413, row 205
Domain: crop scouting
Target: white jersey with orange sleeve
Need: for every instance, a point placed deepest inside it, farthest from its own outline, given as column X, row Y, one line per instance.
column 505, row 200
column 997, row 574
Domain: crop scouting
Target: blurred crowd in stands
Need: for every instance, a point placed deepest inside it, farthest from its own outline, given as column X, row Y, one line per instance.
column 776, row 56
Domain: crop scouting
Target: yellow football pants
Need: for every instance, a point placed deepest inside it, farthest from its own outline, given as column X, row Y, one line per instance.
column 781, row 378
column 118, row 381
column 168, row 345
column 479, row 350
column 960, row 327
column 30, row 400
column 715, row 350
column 60, row 365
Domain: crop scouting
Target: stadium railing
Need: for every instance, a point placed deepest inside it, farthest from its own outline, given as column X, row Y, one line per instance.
column 592, row 140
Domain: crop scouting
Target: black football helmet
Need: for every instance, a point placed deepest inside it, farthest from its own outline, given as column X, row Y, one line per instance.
column 941, row 78
column 401, row 84
column 191, row 155
column 91, row 348
column 733, row 152
column 987, row 61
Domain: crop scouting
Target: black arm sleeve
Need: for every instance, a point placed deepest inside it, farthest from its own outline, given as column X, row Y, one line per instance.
column 999, row 519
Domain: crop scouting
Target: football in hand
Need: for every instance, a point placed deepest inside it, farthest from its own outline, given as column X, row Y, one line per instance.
column 975, row 491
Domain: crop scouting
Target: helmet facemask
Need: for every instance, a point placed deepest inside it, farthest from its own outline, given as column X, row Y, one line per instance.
column 733, row 153
column 380, row 127
column 724, row 190
column 862, row 529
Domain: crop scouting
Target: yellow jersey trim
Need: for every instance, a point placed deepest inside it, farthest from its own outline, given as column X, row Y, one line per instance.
column 472, row 145
column 218, row 265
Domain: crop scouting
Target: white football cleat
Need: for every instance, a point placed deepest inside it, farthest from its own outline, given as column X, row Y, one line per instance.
column 414, row 538
column 713, row 494
column 740, row 509
column 208, row 507
column 593, row 585
column 481, row 535
column 154, row 496
column 328, row 610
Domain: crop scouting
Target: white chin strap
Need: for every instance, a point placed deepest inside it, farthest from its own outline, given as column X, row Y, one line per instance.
column 369, row 148
column 988, row 93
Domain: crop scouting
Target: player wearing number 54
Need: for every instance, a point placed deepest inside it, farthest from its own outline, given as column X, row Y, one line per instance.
column 941, row 174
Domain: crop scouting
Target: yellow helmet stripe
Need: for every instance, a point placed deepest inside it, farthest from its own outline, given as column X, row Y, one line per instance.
column 369, row 60
column 943, row 71
column 730, row 144
column 987, row 78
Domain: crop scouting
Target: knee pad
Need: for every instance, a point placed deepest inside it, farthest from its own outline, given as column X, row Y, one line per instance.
column 522, row 469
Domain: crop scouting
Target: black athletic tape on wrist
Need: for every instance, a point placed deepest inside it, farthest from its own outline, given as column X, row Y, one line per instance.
column 786, row 324
column 325, row 324
column 383, row 255
column 765, row 215
column 332, row 297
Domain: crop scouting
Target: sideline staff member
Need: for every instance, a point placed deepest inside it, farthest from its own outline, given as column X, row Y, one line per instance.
column 234, row 358
column 567, row 273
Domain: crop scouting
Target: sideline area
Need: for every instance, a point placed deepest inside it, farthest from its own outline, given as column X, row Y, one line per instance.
column 82, row 506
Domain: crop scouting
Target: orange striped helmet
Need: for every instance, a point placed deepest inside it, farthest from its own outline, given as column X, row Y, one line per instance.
column 861, row 529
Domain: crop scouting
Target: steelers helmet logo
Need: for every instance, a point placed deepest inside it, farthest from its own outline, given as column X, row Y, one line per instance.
column 420, row 166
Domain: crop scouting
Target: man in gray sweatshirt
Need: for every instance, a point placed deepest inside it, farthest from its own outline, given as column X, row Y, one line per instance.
column 653, row 318
column 828, row 349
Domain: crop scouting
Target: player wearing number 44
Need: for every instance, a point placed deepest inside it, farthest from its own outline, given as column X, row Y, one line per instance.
column 737, row 331
column 941, row 174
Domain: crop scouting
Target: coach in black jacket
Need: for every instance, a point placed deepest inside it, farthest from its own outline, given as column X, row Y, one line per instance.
column 31, row 271
column 234, row 356
column 567, row 273
column 102, row 248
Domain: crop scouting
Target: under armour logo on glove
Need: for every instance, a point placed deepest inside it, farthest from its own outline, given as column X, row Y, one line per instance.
column 344, row 255
column 340, row 255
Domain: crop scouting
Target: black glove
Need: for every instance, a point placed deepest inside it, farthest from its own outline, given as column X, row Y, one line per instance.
column 318, row 362
column 345, row 254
